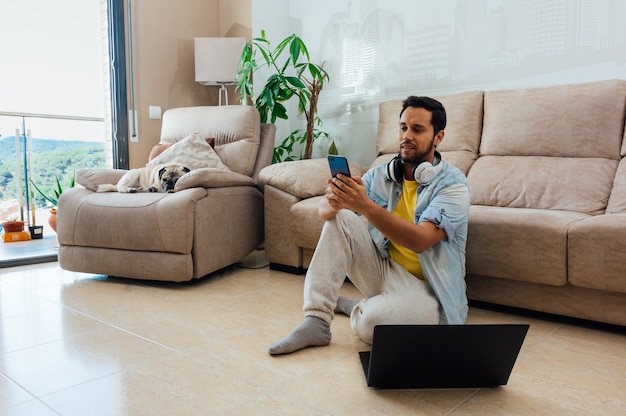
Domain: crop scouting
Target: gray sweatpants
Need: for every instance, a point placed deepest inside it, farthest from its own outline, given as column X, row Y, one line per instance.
column 392, row 294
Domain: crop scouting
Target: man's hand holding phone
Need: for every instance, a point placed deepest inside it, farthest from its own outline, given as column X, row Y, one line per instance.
column 330, row 205
column 338, row 164
column 343, row 190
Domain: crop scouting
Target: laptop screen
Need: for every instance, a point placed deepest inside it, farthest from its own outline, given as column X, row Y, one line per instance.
column 442, row 356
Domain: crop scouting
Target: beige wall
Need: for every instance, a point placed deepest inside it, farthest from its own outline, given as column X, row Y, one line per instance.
column 235, row 18
column 163, row 58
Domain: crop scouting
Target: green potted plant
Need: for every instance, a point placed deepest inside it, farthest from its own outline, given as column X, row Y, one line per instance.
column 53, row 198
column 12, row 224
column 294, row 75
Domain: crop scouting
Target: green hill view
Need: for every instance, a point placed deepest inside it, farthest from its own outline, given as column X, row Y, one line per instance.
column 51, row 160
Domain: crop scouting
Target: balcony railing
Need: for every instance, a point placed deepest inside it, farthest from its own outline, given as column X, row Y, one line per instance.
column 44, row 149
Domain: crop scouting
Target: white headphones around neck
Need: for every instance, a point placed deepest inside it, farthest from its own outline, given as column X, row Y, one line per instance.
column 423, row 172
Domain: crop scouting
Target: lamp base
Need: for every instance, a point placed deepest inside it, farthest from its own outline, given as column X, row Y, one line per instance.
column 225, row 92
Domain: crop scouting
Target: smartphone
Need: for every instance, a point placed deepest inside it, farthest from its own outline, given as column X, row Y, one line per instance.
column 338, row 164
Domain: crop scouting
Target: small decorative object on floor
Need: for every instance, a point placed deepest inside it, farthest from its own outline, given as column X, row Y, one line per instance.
column 53, row 198
column 13, row 230
column 52, row 219
column 36, row 232
column 12, row 225
column 9, row 237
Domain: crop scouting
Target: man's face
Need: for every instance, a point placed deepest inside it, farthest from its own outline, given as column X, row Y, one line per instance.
column 416, row 137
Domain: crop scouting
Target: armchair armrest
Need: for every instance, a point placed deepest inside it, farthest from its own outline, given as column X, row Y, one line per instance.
column 91, row 178
column 302, row 178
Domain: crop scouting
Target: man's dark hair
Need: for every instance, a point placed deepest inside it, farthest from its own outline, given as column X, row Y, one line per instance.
column 438, row 118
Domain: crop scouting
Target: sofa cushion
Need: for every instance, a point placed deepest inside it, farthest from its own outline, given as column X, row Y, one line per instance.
column 193, row 152
column 537, row 152
column 236, row 129
column 519, row 244
column 460, row 159
column 464, row 113
column 583, row 121
column 575, row 184
column 279, row 242
column 306, row 225
column 596, row 257
column 302, row 178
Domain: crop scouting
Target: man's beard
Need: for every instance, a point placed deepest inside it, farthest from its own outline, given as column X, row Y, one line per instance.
column 420, row 157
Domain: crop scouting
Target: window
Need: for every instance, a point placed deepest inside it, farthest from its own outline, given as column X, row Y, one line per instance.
column 55, row 106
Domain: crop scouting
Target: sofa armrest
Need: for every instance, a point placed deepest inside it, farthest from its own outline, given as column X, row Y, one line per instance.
column 302, row 178
column 91, row 178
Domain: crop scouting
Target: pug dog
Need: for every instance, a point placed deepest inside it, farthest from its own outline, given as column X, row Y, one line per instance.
column 157, row 178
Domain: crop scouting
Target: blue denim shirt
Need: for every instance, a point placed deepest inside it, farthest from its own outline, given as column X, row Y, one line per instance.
column 445, row 202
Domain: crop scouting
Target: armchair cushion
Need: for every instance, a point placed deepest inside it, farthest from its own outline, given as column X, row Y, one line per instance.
column 92, row 178
column 212, row 178
column 193, row 152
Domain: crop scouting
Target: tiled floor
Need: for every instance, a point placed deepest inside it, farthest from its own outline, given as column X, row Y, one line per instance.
column 78, row 344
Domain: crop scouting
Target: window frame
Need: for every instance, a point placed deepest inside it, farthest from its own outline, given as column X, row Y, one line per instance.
column 118, row 82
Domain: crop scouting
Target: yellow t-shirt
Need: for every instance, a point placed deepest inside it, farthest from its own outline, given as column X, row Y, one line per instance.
column 406, row 210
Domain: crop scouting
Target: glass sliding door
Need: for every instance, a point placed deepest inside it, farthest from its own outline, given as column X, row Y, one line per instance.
column 55, row 105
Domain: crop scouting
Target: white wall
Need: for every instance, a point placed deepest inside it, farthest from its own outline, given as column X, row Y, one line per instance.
column 377, row 50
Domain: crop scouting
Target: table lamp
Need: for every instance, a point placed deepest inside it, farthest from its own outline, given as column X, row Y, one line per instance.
column 216, row 62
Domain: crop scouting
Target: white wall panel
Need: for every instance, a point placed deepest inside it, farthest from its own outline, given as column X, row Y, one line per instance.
column 377, row 50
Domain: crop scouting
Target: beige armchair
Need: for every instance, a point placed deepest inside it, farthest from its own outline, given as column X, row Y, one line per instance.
column 213, row 220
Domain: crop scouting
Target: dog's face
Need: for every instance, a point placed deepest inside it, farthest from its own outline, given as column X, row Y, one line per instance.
column 168, row 176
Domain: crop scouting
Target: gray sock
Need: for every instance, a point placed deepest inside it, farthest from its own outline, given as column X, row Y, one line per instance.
column 313, row 332
column 345, row 305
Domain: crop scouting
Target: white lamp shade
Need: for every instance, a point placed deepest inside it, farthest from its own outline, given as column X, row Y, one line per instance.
column 217, row 59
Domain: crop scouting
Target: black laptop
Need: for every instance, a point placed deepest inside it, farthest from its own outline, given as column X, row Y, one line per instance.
column 442, row 356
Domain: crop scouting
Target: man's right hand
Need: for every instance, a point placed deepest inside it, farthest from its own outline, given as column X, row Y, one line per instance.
column 328, row 206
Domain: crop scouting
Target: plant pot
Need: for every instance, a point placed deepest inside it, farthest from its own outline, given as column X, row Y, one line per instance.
column 52, row 219
column 13, row 226
column 36, row 232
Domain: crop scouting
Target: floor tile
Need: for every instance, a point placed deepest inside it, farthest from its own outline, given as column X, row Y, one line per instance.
column 340, row 389
column 514, row 401
column 41, row 327
column 11, row 394
column 30, row 408
column 51, row 367
column 77, row 344
column 22, row 302
column 576, row 375
column 172, row 385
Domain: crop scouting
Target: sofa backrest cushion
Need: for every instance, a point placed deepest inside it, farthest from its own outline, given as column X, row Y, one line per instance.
column 236, row 130
column 550, row 148
column 617, row 200
column 464, row 113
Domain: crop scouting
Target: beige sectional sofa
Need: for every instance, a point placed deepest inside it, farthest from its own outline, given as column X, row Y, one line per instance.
column 547, row 173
